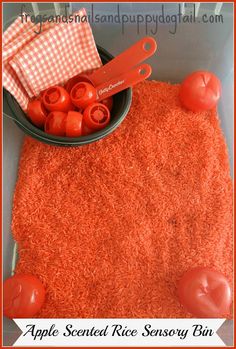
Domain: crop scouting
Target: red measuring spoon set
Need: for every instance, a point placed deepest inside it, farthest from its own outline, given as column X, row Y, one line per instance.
column 84, row 104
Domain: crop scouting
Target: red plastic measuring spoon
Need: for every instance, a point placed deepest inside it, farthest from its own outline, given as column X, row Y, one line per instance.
column 123, row 81
column 121, row 64
column 80, row 91
column 125, row 61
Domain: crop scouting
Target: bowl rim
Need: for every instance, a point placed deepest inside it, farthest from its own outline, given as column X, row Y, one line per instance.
column 39, row 134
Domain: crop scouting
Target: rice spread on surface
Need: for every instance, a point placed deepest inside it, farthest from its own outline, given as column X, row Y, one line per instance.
column 111, row 227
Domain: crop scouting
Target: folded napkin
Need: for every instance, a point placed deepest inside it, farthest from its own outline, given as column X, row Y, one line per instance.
column 14, row 39
column 34, row 62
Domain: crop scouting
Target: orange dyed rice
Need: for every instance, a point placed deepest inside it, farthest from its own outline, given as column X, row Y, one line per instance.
column 111, row 227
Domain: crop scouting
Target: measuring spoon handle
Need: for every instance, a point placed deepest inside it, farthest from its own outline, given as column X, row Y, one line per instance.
column 125, row 61
column 125, row 80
